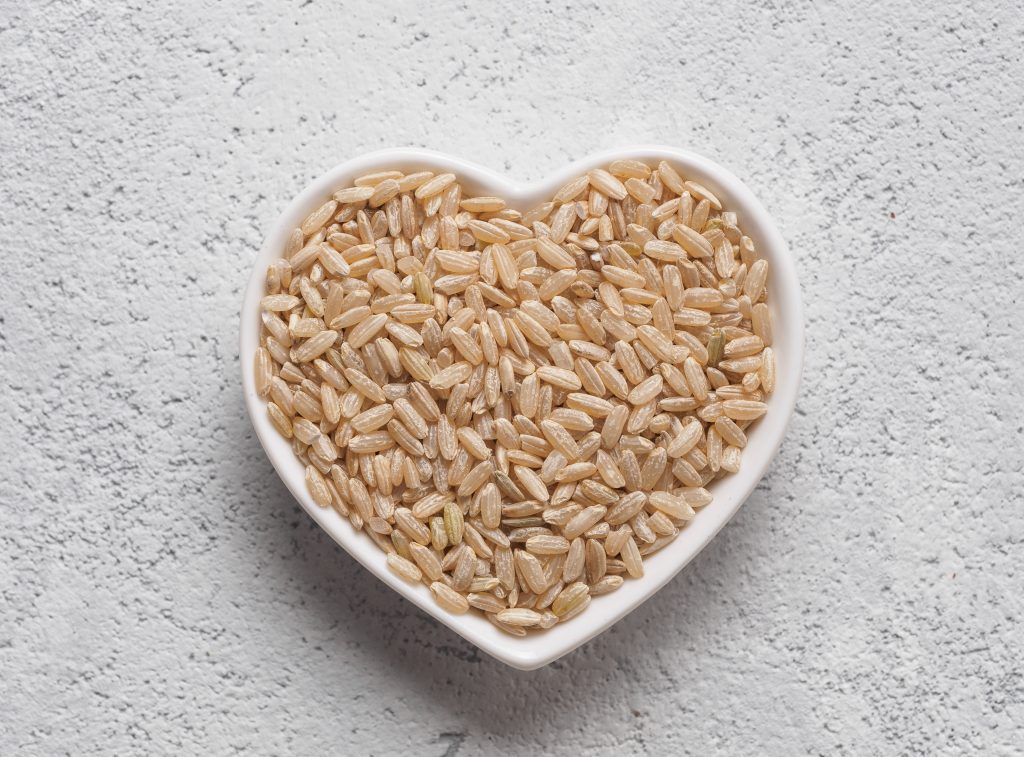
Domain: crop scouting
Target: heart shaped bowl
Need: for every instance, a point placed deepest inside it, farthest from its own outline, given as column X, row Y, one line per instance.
column 540, row 648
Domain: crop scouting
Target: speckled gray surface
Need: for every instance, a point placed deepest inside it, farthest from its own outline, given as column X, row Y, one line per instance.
column 163, row 593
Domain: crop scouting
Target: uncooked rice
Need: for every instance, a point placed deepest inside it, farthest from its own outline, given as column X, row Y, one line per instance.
column 517, row 407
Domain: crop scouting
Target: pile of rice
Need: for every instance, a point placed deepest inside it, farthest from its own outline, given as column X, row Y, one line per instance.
column 517, row 407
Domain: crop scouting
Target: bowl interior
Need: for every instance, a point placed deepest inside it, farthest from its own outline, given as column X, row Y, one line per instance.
column 765, row 436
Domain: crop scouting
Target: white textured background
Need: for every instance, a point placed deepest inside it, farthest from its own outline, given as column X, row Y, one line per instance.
column 162, row 592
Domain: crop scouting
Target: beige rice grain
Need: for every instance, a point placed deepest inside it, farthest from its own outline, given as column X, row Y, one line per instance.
column 404, row 568
column 449, row 599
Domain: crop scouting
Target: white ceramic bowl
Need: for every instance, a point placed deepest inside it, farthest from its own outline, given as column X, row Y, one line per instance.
column 540, row 648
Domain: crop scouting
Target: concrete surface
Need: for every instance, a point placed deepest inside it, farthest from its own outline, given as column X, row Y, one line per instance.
column 162, row 593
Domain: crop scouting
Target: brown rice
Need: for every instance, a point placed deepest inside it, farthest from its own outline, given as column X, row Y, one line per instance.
column 517, row 407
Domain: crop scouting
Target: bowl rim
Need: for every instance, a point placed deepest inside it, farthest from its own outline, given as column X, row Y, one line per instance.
column 539, row 649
